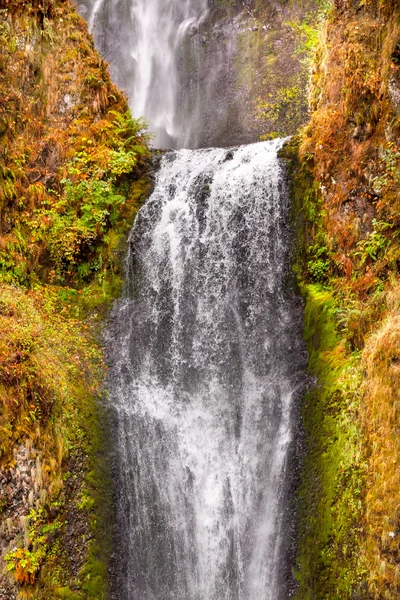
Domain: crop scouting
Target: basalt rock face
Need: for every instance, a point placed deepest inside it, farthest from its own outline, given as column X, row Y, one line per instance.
column 226, row 72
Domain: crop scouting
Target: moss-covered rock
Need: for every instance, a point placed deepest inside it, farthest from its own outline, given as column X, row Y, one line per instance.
column 344, row 168
column 331, row 508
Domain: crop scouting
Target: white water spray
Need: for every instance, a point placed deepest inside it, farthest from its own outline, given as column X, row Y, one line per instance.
column 207, row 359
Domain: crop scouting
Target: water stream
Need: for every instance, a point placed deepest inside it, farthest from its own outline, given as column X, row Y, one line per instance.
column 188, row 66
column 207, row 361
column 205, row 345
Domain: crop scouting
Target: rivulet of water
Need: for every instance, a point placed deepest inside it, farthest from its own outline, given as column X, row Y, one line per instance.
column 206, row 363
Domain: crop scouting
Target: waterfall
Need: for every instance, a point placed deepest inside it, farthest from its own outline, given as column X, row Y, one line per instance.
column 206, row 364
column 149, row 38
column 205, row 350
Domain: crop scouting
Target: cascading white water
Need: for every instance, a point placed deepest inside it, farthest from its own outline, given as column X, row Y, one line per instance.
column 156, row 32
column 207, row 359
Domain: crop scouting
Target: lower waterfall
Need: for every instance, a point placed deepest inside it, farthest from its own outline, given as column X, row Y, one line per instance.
column 206, row 362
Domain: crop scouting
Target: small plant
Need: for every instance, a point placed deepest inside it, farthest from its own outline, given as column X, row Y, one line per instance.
column 85, row 502
column 375, row 245
column 48, row 31
column 390, row 157
column 308, row 38
column 4, row 30
column 283, row 106
column 25, row 563
column 318, row 263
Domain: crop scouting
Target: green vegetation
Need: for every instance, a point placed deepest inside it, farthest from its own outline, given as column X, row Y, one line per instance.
column 286, row 105
column 344, row 168
column 375, row 244
column 24, row 563
column 330, row 497
column 75, row 223
column 390, row 174
column 74, row 171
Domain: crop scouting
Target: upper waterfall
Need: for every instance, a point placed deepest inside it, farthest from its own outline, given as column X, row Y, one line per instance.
column 154, row 32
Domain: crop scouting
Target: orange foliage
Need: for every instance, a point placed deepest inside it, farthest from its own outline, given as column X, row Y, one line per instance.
column 354, row 118
column 381, row 413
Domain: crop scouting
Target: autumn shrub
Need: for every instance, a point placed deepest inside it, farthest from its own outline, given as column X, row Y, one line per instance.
column 25, row 561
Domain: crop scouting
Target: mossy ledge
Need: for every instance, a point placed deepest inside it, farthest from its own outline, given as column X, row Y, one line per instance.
column 74, row 170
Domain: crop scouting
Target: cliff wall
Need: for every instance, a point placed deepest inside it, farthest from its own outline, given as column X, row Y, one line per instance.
column 346, row 189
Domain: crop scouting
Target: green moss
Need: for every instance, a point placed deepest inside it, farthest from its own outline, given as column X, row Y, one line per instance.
column 330, row 495
column 330, row 498
column 66, row 594
column 97, row 501
column 313, row 259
